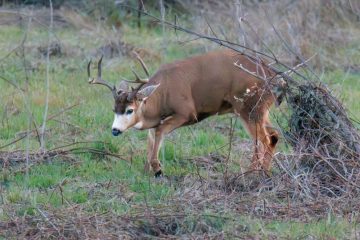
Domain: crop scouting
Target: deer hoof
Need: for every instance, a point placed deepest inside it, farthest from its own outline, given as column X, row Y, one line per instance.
column 158, row 174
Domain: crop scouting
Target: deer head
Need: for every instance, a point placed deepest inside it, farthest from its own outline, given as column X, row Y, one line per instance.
column 128, row 103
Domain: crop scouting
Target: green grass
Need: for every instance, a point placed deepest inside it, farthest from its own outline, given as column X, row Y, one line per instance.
column 103, row 184
column 346, row 87
column 323, row 229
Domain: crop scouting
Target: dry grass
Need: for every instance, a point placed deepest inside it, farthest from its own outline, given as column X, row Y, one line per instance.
column 200, row 208
column 309, row 184
column 311, row 27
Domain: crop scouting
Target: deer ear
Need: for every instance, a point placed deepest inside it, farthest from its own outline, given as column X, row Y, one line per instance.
column 146, row 92
column 123, row 86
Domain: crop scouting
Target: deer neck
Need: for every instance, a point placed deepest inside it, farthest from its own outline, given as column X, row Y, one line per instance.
column 148, row 114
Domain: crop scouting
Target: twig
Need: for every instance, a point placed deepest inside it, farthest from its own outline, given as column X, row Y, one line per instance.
column 227, row 44
column 304, row 63
column 43, row 128
column 11, row 83
column 47, row 219
column 15, row 141
column 254, row 74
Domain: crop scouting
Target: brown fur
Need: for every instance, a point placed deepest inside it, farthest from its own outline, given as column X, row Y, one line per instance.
column 198, row 87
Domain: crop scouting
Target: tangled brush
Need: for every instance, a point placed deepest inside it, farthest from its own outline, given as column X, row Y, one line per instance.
column 325, row 141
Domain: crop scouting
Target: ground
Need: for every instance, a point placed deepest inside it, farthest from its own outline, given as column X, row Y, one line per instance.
column 74, row 187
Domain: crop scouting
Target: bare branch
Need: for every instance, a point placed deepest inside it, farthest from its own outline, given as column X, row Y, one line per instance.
column 254, row 74
column 47, row 84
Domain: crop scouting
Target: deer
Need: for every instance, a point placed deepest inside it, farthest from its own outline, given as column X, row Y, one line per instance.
column 188, row 91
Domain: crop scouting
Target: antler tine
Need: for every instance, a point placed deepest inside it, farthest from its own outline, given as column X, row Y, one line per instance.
column 138, row 79
column 99, row 80
column 99, row 67
column 146, row 70
column 88, row 69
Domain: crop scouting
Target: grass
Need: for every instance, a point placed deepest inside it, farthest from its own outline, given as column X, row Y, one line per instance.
column 102, row 184
column 346, row 88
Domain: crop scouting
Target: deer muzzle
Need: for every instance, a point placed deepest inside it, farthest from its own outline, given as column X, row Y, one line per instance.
column 115, row 132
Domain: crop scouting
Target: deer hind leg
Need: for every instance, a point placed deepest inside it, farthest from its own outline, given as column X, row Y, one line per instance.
column 265, row 139
column 272, row 134
column 166, row 127
column 269, row 142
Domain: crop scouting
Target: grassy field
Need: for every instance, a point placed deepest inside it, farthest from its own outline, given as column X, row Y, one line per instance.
column 58, row 189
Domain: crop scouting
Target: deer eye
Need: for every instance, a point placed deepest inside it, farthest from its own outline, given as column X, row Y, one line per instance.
column 129, row 111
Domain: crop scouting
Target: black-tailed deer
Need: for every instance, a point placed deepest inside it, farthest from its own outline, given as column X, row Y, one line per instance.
column 188, row 91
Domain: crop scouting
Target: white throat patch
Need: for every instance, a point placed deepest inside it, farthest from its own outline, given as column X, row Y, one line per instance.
column 139, row 125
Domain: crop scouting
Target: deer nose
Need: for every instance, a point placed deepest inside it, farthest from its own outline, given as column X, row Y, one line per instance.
column 115, row 132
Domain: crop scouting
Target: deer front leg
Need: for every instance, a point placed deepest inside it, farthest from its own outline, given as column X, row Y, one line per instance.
column 168, row 125
column 153, row 160
column 150, row 146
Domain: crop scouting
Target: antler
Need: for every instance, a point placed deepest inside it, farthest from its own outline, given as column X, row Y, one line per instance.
column 142, row 63
column 113, row 89
column 99, row 80
column 135, row 90
column 138, row 79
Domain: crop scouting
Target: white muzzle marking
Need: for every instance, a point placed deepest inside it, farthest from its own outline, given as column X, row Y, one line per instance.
column 121, row 122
